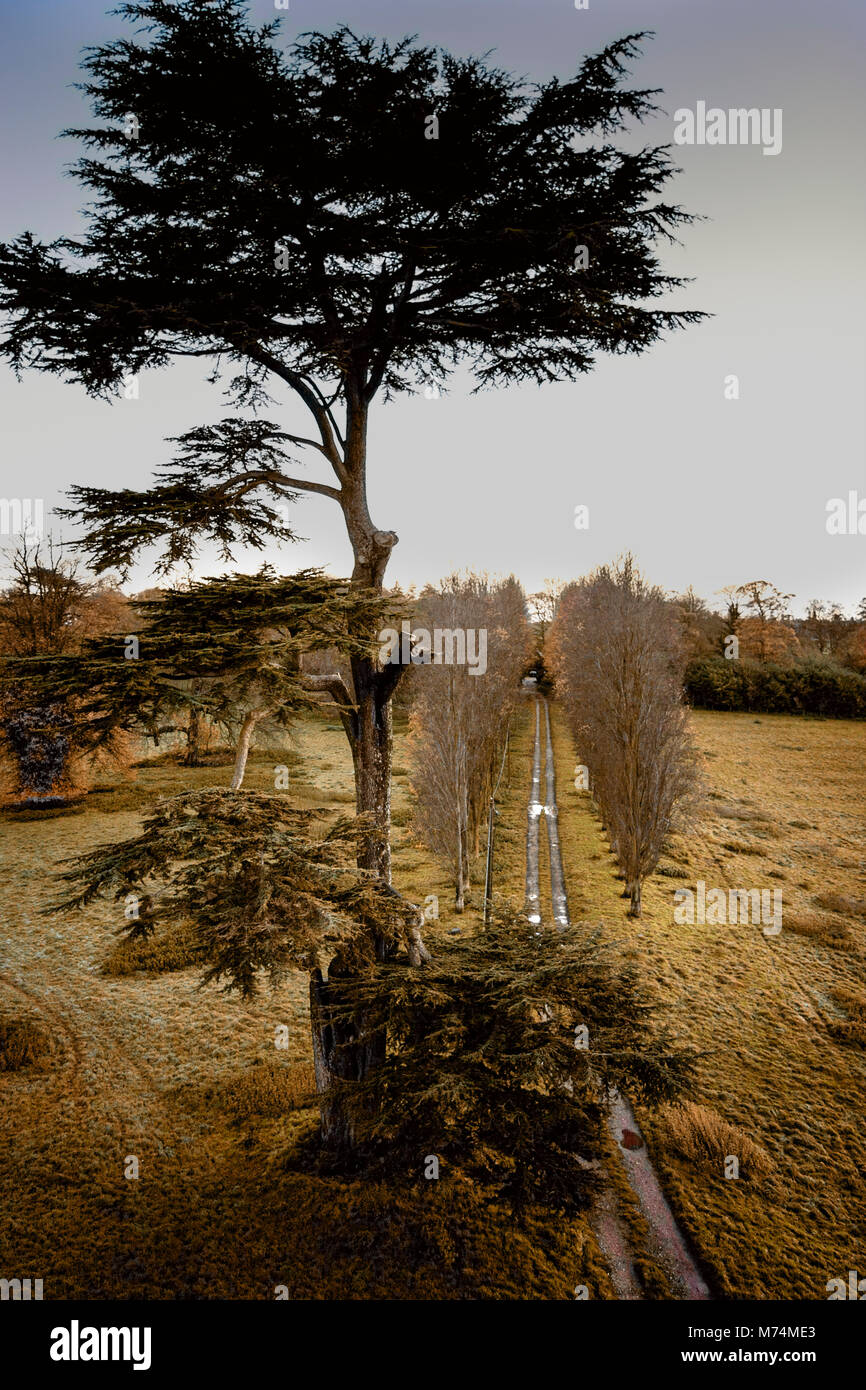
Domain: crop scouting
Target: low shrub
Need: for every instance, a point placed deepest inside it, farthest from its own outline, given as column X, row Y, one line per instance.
column 851, row 1000
column 22, row 1042
column 837, row 902
column 824, row 929
column 672, row 871
column 852, row 1033
column 158, row 955
column 268, row 1090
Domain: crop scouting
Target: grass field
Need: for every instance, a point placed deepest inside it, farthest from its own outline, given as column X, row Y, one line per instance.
column 778, row 1018
column 142, row 1063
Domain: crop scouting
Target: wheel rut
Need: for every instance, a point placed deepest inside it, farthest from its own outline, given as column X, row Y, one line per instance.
column 666, row 1242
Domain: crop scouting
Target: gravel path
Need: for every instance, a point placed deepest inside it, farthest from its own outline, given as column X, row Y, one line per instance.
column 559, row 902
column 666, row 1241
column 533, row 815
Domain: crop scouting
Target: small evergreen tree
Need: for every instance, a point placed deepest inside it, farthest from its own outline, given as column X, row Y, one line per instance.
column 265, row 889
column 503, row 1053
column 229, row 647
column 44, row 615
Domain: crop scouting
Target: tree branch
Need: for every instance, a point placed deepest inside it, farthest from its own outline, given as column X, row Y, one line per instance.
column 332, row 683
column 310, row 396
column 324, row 488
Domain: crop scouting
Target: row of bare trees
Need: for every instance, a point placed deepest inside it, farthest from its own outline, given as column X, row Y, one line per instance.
column 617, row 655
column 460, row 713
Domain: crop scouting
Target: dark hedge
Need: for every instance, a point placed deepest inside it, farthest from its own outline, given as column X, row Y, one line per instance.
column 817, row 688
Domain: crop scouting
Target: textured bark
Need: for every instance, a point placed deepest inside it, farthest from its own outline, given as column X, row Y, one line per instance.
column 371, row 755
column 370, row 730
column 192, row 754
column 342, row 1052
column 243, row 748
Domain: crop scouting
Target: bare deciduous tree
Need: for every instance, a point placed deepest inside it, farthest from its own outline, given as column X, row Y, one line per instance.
column 459, row 716
column 617, row 655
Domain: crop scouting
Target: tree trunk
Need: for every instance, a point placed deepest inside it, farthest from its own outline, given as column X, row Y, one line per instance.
column 460, row 883
column 371, row 755
column 192, row 755
column 243, row 749
column 370, row 731
column 635, row 895
column 344, row 1050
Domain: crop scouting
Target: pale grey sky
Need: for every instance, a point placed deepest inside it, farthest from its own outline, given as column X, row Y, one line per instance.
column 704, row 490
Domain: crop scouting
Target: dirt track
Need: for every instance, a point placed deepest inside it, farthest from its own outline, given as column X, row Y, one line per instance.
column 666, row 1242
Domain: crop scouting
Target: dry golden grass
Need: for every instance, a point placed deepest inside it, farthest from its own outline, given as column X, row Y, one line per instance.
column 767, row 1013
column 191, row 1082
column 22, row 1043
column 702, row 1135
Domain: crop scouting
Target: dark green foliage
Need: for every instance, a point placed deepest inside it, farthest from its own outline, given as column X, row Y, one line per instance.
column 817, row 688
column 238, row 638
column 260, row 890
column 482, row 1068
column 206, row 493
column 405, row 254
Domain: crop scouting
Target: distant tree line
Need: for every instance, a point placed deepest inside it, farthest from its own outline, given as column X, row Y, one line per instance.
column 757, row 615
column 757, row 656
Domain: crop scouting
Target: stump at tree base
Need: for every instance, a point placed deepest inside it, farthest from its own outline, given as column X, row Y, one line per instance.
column 341, row 1053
